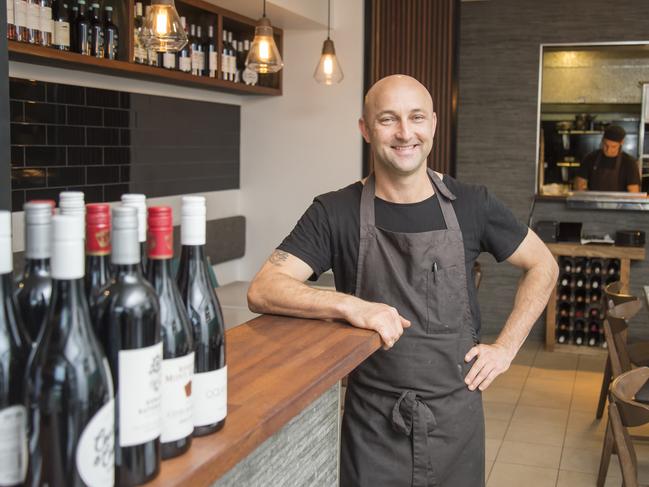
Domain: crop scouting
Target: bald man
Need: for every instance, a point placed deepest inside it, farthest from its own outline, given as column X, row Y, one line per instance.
column 402, row 244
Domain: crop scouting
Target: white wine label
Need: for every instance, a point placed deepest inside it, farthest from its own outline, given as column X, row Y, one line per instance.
column 13, row 445
column 140, row 394
column 213, row 63
column 201, row 61
column 33, row 16
column 96, row 448
column 20, row 13
column 169, row 60
column 210, row 391
column 177, row 412
column 196, row 60
column 61, row 34
column 10, row 12
column 185, row 64
column 45, row 19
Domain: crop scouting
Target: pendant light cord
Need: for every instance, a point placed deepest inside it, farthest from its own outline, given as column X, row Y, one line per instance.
column 328, row 19
column 264, row 8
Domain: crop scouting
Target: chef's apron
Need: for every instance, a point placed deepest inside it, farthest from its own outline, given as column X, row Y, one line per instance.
column 410, row 420
column 606, row 179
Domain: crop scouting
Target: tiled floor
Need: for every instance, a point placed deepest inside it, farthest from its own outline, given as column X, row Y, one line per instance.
column 540, row 423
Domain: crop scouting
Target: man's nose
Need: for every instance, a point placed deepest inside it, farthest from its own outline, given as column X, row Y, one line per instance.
column 405, row 131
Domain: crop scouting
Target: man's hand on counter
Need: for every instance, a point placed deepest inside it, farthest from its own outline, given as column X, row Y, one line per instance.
column 383, row 319
column 492, row 360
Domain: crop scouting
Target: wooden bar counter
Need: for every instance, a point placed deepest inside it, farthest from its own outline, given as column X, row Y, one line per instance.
column 277, row 367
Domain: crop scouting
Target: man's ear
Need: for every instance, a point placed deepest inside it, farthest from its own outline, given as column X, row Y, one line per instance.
column 363, row 128
column 434, row 124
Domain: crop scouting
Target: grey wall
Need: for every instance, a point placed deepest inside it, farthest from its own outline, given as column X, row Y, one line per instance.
column 498, row 92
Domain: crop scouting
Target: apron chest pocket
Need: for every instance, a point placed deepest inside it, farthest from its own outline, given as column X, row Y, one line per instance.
column 444, row 306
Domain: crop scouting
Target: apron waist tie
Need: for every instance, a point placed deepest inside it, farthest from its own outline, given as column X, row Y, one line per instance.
column 414, row 418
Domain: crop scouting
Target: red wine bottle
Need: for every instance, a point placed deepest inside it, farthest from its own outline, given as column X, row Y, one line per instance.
column 593, row 333
column 128, row 317
column 34, row 287
column 69, row 388
column 177, row 338
column 97, row 250
column 563, row 330
column 72, row 203
column 209, row 386
column 138, row 201
column 579, row 332
column 15, row 347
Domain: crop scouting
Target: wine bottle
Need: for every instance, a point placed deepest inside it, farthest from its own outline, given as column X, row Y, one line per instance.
column 225, row 60
column 96, row 32
column 34, row 288
column 613, row 268
column 69, row 388
column 194, row 49
column 580, row 310
column 111, row 35
column 83, row 36
column 20, row 18
column 138, row 201
column 151, row 55
column 61, row 37
column 579, row 332
column 565, row 280
column 563, row 330
column 185, row 55
column 33, row 22
column 564, row 293
column 139, row 52
column 596, row 267
column 11, row 21
column 200, row 46
column 595, row 282
column 177, row 338
column 45, row 22
column 209, row 386
column 593, row 333
column 580, row 296
column 248, row 76
column 580, row 266
column 580, row 280
column 97, row 251
column 232, row 58
column 212, row 53
column 15, row 347
column 128, row 317
column 72, row 203
column 565, row 309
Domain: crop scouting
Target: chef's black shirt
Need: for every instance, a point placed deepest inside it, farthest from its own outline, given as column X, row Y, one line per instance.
column 327, row 236
column 629, row 172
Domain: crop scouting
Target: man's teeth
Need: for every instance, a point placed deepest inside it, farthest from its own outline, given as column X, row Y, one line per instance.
column 404, row 147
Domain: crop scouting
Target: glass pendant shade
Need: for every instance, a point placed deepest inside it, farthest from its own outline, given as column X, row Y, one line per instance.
column 264, row 57
column 328, row 70
column 162, row 30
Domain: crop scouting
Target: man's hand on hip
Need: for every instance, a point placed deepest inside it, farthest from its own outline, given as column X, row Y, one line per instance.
column 492, row 360
column 383, row 319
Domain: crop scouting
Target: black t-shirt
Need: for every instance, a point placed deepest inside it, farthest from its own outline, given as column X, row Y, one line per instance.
column 629, row 172
column 328, row 234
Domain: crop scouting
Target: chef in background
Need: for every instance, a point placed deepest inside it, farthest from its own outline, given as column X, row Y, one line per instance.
column 609, row 168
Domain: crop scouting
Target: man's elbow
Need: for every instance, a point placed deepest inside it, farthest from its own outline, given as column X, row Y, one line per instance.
column 255, row 297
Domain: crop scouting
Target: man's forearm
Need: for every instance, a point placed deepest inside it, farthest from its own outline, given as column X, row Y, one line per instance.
column 531, row 298
column 288, row 296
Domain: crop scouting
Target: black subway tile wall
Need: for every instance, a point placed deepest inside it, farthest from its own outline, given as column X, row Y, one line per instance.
column 107, row 143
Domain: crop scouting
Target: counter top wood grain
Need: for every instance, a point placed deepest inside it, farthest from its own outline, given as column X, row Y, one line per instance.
column 276, row 367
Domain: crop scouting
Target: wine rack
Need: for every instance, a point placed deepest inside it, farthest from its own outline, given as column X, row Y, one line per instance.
column 575, row 310
column 579, row 306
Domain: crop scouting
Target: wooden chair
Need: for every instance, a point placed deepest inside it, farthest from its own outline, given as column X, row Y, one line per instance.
column 615, row 293
column 624, row 412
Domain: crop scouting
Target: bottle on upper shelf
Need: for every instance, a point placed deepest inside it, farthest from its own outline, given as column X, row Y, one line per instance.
column 185, row 54
column 61, row 35
column 111, row 35
column 96, row 32
column 11, row 21
column 211, row 49
column 139, row 51
column 33, row 22
column 15, row 348
column 46, row 26
column 20, row 19
column 82, row 31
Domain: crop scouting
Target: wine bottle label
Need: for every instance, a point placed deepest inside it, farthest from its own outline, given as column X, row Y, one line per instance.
column 196, row 60
column 213, row 60
column 185, row 64
column 177, row 412
column 210, row 391
column 62, row 34
column 95, row 455
column 169, row 60
column 250, row 77
column 10, row 12
column 33, row 16
column 224, row 65
column 140, row 394
column 201, row 61
column 20, row 13
column 13, row 445
column 45, row 19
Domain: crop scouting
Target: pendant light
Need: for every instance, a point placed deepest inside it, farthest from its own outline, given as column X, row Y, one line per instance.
column 162, row 30
column 264, row 57
column 328, row 70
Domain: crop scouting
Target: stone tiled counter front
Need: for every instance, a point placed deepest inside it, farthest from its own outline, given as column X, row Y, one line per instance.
column 283, row 406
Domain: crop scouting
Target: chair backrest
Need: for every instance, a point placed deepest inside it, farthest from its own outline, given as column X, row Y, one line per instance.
column 477, row 274
column 625, row 412
column 616, row 293
column 615, row 326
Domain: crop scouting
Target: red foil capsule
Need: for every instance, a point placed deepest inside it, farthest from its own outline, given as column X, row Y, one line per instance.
column 98, row 229
column 160, row 236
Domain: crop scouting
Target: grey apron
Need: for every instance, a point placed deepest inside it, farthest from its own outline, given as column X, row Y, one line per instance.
column 603, row 179
column 410, row 419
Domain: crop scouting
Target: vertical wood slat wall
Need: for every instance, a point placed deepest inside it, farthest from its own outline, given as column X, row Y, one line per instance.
column 418, row 38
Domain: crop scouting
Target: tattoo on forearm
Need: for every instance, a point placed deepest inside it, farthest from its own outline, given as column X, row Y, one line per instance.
column 278, row 257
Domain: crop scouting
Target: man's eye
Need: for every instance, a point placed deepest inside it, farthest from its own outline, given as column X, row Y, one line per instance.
column 387, row 120
column 419, row 118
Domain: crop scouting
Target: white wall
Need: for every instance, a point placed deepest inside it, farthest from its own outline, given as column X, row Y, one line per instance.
column 305, row 142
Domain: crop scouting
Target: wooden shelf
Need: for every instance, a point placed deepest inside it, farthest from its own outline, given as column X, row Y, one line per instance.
column 29, row 53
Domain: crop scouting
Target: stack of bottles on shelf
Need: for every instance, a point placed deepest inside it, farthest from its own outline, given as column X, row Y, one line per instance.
column 199, row 57
column 67, row 25
column 111, row 362
column 580, row 307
